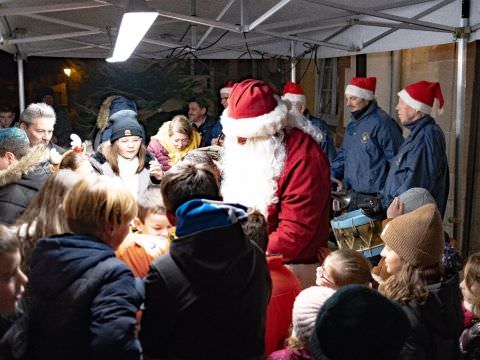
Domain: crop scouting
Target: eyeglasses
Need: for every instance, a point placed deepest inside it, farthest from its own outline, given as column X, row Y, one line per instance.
column 321, row 275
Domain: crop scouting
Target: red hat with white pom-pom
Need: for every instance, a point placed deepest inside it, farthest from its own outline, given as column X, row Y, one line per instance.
column 421, row 96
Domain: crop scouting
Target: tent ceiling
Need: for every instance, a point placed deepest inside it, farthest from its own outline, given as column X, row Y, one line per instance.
column 213, row 28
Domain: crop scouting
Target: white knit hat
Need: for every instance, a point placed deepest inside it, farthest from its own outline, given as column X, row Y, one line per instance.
column 305, row 310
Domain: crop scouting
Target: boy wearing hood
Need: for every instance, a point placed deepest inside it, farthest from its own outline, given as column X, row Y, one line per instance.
column 207, row 298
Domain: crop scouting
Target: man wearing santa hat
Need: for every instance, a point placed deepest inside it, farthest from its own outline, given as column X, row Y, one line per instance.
column 372, row 138
column 272, row 163
column 224, row 94
column 295, row 94
column 422, row 159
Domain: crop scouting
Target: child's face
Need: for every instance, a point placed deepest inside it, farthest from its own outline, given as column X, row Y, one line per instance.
column 128, row 146
column 324, row 275
column 12, row 282
column 156, row 223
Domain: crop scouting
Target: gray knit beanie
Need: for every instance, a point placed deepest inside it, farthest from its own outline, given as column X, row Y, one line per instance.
column 414, row 198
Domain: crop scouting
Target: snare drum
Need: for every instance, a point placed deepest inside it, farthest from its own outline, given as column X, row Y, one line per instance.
column 355, row 230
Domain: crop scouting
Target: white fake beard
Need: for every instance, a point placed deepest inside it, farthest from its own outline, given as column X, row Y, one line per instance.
column 251, row 171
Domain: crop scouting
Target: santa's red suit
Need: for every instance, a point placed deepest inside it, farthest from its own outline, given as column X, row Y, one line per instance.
column 272, row 162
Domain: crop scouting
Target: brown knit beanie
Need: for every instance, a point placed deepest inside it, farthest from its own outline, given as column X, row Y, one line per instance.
column 417, row 237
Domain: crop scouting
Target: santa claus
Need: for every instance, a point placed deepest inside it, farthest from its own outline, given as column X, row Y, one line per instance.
column 272, row 163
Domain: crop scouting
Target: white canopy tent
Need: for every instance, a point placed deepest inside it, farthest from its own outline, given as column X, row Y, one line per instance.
column 219, row 29
column 230, row 29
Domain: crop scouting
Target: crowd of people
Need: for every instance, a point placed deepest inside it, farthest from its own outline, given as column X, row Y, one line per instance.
column 211, row 240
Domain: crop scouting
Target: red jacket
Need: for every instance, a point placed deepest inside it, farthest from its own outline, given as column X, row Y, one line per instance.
column 298, row 223
column 285, row 288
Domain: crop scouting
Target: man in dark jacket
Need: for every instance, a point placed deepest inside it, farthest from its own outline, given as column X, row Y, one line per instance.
column 198, row 115
column 207, row 299
column 372, row 139
column 422, row 159
column 22, row 171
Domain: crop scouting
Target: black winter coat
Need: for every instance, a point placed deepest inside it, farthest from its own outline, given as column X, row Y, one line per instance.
column 83, row 301
column 436, row 325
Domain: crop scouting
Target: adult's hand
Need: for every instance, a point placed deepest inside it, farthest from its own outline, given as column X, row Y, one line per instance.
column 395, row 209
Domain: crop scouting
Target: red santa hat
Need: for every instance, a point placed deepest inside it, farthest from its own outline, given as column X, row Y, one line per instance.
column 227, row 88
column 253, row 110
column 421, row 96
column 293, row 92
column 362, row 87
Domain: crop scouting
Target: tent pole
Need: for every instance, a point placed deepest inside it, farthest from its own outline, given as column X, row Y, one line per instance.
column 21, row 86
column 293, row 66
column 462, row 42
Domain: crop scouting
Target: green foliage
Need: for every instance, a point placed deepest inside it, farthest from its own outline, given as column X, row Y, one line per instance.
column 149, row 84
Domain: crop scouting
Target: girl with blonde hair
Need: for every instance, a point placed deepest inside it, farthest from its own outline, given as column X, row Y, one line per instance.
column 340, row 268
column 173, row 141
column 45, row 216
column 126, row 157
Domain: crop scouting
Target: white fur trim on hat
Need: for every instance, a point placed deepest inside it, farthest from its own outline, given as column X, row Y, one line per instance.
column 264, row 125
column 294, row 97
column 417, row 105
column 359, row 92
column 226, row 90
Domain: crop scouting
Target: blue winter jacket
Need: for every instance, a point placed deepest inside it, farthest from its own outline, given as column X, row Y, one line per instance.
column 327, row 143
column 420, row 162
column 77, row 312
column 369, row 144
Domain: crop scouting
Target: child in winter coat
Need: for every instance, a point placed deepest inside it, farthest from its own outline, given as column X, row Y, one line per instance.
column 340, row 268
column 151, row 238
column 173, row 141
column 127, row 158
column 470, row 286
column 82, row 300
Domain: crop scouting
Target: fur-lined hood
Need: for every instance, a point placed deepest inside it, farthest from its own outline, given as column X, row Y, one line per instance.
column 104, row 112
column 113, row 104
column 26, row 164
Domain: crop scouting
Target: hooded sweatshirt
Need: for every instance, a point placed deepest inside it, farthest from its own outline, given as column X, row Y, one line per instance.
column 207, row 299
